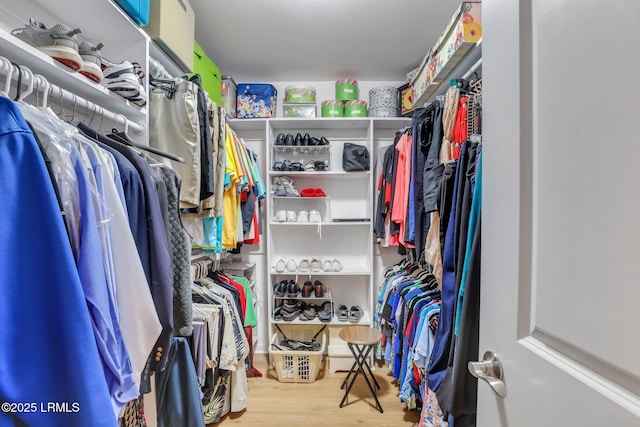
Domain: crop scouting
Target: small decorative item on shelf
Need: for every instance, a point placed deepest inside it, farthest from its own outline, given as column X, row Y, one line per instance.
column 383, row 101
column 256, row 100
column 405, row 100
column 332, row 108
column 346, row 90
column 356, row 108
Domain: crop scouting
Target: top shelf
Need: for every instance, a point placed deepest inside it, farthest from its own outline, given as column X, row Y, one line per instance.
column 319, row 123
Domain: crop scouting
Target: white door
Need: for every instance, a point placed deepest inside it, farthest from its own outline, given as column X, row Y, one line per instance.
column 561, row 212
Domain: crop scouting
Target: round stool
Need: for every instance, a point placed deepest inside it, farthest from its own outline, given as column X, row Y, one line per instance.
column 361, row 340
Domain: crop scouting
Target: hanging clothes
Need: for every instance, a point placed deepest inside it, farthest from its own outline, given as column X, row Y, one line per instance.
column 29, row 213
column 178, row 396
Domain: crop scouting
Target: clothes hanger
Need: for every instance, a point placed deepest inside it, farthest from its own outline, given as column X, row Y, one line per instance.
column 19, row 84
column 7, row 83
column 123, row 138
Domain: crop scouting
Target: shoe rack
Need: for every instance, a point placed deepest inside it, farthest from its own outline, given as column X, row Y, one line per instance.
column 344, row 232
column 100, row 21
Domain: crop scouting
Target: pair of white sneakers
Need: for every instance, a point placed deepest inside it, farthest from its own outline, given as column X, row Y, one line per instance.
column 302, row 216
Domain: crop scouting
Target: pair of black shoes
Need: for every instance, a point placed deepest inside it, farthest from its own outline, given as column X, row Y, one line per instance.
column 299, row 140
column 286, row 288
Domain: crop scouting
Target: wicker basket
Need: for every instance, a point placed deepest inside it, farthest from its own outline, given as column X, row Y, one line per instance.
column 297, row 366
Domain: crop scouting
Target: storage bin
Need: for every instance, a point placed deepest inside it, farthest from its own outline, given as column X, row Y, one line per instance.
column 300, row 94
column 209, row 73
column 332, row 108
column 256, row 100
column 460, row 35
column 172, row 25
column 228, row 94
column 138, row 10
column 346, row 90
column 307, row 111
column 383, row 101
column 297, row 366
column 357, row 108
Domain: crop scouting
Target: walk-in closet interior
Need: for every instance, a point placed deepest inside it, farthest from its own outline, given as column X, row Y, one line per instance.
column 270, row 213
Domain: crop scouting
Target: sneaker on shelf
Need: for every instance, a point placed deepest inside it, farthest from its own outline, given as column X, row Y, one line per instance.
column 280, row 216
column 314, row 216
column 91, row 60
column 303, row 216
column 123, row 79
column 141, row 99
column 59, row 42
column 291, row 216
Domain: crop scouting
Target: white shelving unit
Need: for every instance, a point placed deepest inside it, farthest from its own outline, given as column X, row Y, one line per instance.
column 345, row 232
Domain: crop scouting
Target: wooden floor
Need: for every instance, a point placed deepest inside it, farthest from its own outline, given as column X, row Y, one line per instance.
column 272, row 403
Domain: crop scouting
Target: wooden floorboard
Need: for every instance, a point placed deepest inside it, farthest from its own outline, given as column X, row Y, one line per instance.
column 272, row 403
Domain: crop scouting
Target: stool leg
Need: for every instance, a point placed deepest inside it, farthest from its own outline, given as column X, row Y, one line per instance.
column 346, row 380
column 363, row 363
column 360, row 354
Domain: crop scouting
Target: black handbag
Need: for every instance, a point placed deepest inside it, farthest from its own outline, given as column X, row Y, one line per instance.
column 355, row 157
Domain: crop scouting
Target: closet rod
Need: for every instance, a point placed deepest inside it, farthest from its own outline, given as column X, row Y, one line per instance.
column 473, row 69
column 47, row 88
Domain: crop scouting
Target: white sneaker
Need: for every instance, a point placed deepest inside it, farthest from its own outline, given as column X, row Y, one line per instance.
column 291, row 216
column 303, row 216
column 314, row 216
column 280, row 216
column 280, row 266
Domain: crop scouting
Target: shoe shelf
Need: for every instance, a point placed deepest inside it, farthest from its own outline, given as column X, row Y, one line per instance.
column 322, row 150
column 298, row 198
column 324, row 223
column 325, row 297
column 344, row 272
column 60, row 75
column 364, row 320
column 99, row 22
column 319, row 174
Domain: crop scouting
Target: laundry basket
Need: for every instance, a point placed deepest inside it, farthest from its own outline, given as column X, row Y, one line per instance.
column 297, row 366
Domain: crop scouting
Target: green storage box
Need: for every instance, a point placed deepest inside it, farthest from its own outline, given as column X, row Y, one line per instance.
column 346, row 90
column 357, row 108
column 332, row 108
column 209, row 73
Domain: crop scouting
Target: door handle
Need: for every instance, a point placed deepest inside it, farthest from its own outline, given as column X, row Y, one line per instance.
column 490, row 370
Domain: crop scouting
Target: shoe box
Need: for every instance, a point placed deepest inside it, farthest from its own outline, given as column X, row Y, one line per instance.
column 209, row 73
column 172, row 25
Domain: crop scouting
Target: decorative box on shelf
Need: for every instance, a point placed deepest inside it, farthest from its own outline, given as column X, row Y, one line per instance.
column 461, row 35
column 255, row 100
column 306, row 111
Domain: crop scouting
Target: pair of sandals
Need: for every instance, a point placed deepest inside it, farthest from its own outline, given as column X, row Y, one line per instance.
column 322, row 312
column 353, row 314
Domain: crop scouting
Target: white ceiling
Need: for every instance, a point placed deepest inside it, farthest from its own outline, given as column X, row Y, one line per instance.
column 319, row 40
